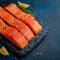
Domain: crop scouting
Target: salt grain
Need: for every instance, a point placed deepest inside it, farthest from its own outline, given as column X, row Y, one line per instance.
column 37, row 36
column 40, row 53
column 37, row 53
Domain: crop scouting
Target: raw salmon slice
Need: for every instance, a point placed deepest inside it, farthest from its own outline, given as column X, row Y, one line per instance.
column 24, row 29
column 13, row 35
column 26, row 18
column 19, row 25
column 16, row 37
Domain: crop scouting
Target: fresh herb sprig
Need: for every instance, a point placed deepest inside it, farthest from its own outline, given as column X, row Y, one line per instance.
column 26, row 10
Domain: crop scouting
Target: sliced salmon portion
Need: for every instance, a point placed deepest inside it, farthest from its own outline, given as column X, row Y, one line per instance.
column 24, row 29
column 16, row 37
column 19, row 25
column 13, row 35
column 26, row 18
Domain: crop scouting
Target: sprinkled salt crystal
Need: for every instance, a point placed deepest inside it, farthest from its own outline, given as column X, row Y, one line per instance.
column 37, row 53
column 37, row 36
column 30, row 46
column 40, row 53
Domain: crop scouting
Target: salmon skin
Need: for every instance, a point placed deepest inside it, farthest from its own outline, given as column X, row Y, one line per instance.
column 26, row 18
column 13, row 35
column 19, row 25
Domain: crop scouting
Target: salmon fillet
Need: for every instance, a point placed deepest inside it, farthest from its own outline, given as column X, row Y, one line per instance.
column 16, row 37
column 19, row 25
column 26, row 18
column 13, row 35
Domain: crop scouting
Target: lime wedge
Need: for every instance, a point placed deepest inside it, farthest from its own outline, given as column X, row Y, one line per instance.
column 23, row 4
column 3, row 51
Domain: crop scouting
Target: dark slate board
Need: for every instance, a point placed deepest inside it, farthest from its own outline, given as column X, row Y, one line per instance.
column 35, row 42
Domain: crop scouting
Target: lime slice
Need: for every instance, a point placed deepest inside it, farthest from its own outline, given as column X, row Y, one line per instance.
column 23, row 4
column 3, row 51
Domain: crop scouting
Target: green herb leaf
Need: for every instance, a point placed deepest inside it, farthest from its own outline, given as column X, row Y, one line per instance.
column 26, row 10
